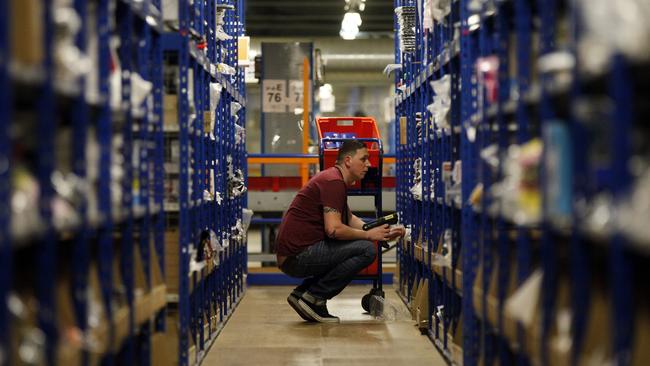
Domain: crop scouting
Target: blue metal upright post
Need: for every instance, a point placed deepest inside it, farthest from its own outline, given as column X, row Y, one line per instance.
column 104, row 133
column 159, row 160
column 184, row 224
column 81, row 256
column 45, row 166
column 621, row 264
column 125, row 24
column 5, row 187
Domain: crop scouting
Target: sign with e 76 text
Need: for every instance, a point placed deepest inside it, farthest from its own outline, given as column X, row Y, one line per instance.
column 274, row 97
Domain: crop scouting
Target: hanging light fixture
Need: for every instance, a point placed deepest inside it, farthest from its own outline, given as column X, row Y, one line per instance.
column 352, row 19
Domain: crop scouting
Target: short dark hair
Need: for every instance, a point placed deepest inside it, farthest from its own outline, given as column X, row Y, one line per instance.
column 349, row 148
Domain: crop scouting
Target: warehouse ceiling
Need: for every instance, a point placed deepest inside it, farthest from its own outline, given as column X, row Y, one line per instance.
column 314, row 18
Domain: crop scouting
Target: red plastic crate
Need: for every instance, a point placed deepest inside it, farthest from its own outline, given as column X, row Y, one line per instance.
column 348, row 127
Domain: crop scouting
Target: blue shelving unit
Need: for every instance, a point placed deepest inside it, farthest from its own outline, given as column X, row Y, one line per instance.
column 86, row 152
column 211, row 171
column 523, row 224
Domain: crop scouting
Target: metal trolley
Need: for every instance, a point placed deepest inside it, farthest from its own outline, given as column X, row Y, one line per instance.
column 332, row 131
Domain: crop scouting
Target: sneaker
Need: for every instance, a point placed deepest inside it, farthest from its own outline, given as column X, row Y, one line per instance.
column 318, row 312
column 293, row 301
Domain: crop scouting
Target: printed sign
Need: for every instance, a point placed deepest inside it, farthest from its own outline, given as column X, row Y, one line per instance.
column 295, row 94
column 274, row 99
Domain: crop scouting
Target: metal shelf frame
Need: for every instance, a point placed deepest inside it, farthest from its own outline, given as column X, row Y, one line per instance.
column 92, row 243
column 206, row 295
column 484, row 244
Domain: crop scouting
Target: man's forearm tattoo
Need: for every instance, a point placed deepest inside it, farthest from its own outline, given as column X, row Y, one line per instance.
column 330, row 209
column 332, row 234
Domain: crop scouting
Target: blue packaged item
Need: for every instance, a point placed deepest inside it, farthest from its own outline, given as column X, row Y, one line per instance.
column 558, row 167
column 337, row 135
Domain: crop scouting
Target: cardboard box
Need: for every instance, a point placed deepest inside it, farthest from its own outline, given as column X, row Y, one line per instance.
column 172, row 255
column 597, row 343
column 27, row 44
column 70, row 336
column 170, row 111
column 158, row 286
column 422, row 305
column 402, row 131
column 640, row 349
column 164, row 349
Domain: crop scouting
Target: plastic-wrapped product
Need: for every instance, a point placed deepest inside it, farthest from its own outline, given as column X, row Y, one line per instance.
column 226, row 69
column 627, row 32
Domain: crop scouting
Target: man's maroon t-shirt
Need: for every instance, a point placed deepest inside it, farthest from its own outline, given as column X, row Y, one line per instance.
column 303, row 223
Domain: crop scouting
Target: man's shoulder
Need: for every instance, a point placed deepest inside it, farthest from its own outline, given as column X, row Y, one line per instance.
column 329, row 174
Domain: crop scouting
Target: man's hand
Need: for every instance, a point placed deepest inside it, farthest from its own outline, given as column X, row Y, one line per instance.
column 395, row 232
column 380, row 233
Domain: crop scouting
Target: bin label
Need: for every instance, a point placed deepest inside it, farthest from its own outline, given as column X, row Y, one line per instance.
column 296, row 92
column 275, row 96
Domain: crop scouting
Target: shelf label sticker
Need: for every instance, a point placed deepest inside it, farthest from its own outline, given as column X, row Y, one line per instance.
column 275, row 96
column 296, row 92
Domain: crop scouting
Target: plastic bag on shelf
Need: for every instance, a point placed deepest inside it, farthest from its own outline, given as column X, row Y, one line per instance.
column 416, row 190
column 522, row 304
column 240, row 134
column 441, row 105
column 443, row 259
column 215, row 95
column 427, row 17
column 490, row 155
column 235, row 107
column 440, row 9
column 71, row 63
column 222, row 35
column 140, row 90
column 628, row 32
column 170, row 11
column 247, row 216
column 225, row 69
column 519, row 194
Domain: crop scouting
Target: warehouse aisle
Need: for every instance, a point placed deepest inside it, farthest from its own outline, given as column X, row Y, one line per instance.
column 264, row 330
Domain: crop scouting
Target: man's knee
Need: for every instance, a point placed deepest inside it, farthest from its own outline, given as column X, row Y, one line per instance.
column 370, row 251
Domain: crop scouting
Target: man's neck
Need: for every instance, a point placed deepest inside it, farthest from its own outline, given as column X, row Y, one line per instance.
column 346, row 175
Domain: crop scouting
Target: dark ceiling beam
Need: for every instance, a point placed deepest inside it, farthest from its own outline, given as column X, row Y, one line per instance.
column 295, row 4
column 323, row 28
column 339, row 4
column 316, row 17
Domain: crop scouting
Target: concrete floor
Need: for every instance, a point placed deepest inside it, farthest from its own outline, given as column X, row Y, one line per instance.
column 265, row 330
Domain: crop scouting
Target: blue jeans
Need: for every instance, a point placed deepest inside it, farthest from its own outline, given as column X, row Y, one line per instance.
column 329, row 265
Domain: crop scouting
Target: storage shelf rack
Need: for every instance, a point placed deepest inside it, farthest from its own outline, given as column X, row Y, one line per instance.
column 82, row 221
column 85, row 234
column 206, row 297
column 565, row 236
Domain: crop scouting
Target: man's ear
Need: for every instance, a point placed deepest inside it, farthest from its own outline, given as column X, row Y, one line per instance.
column 347, row 160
